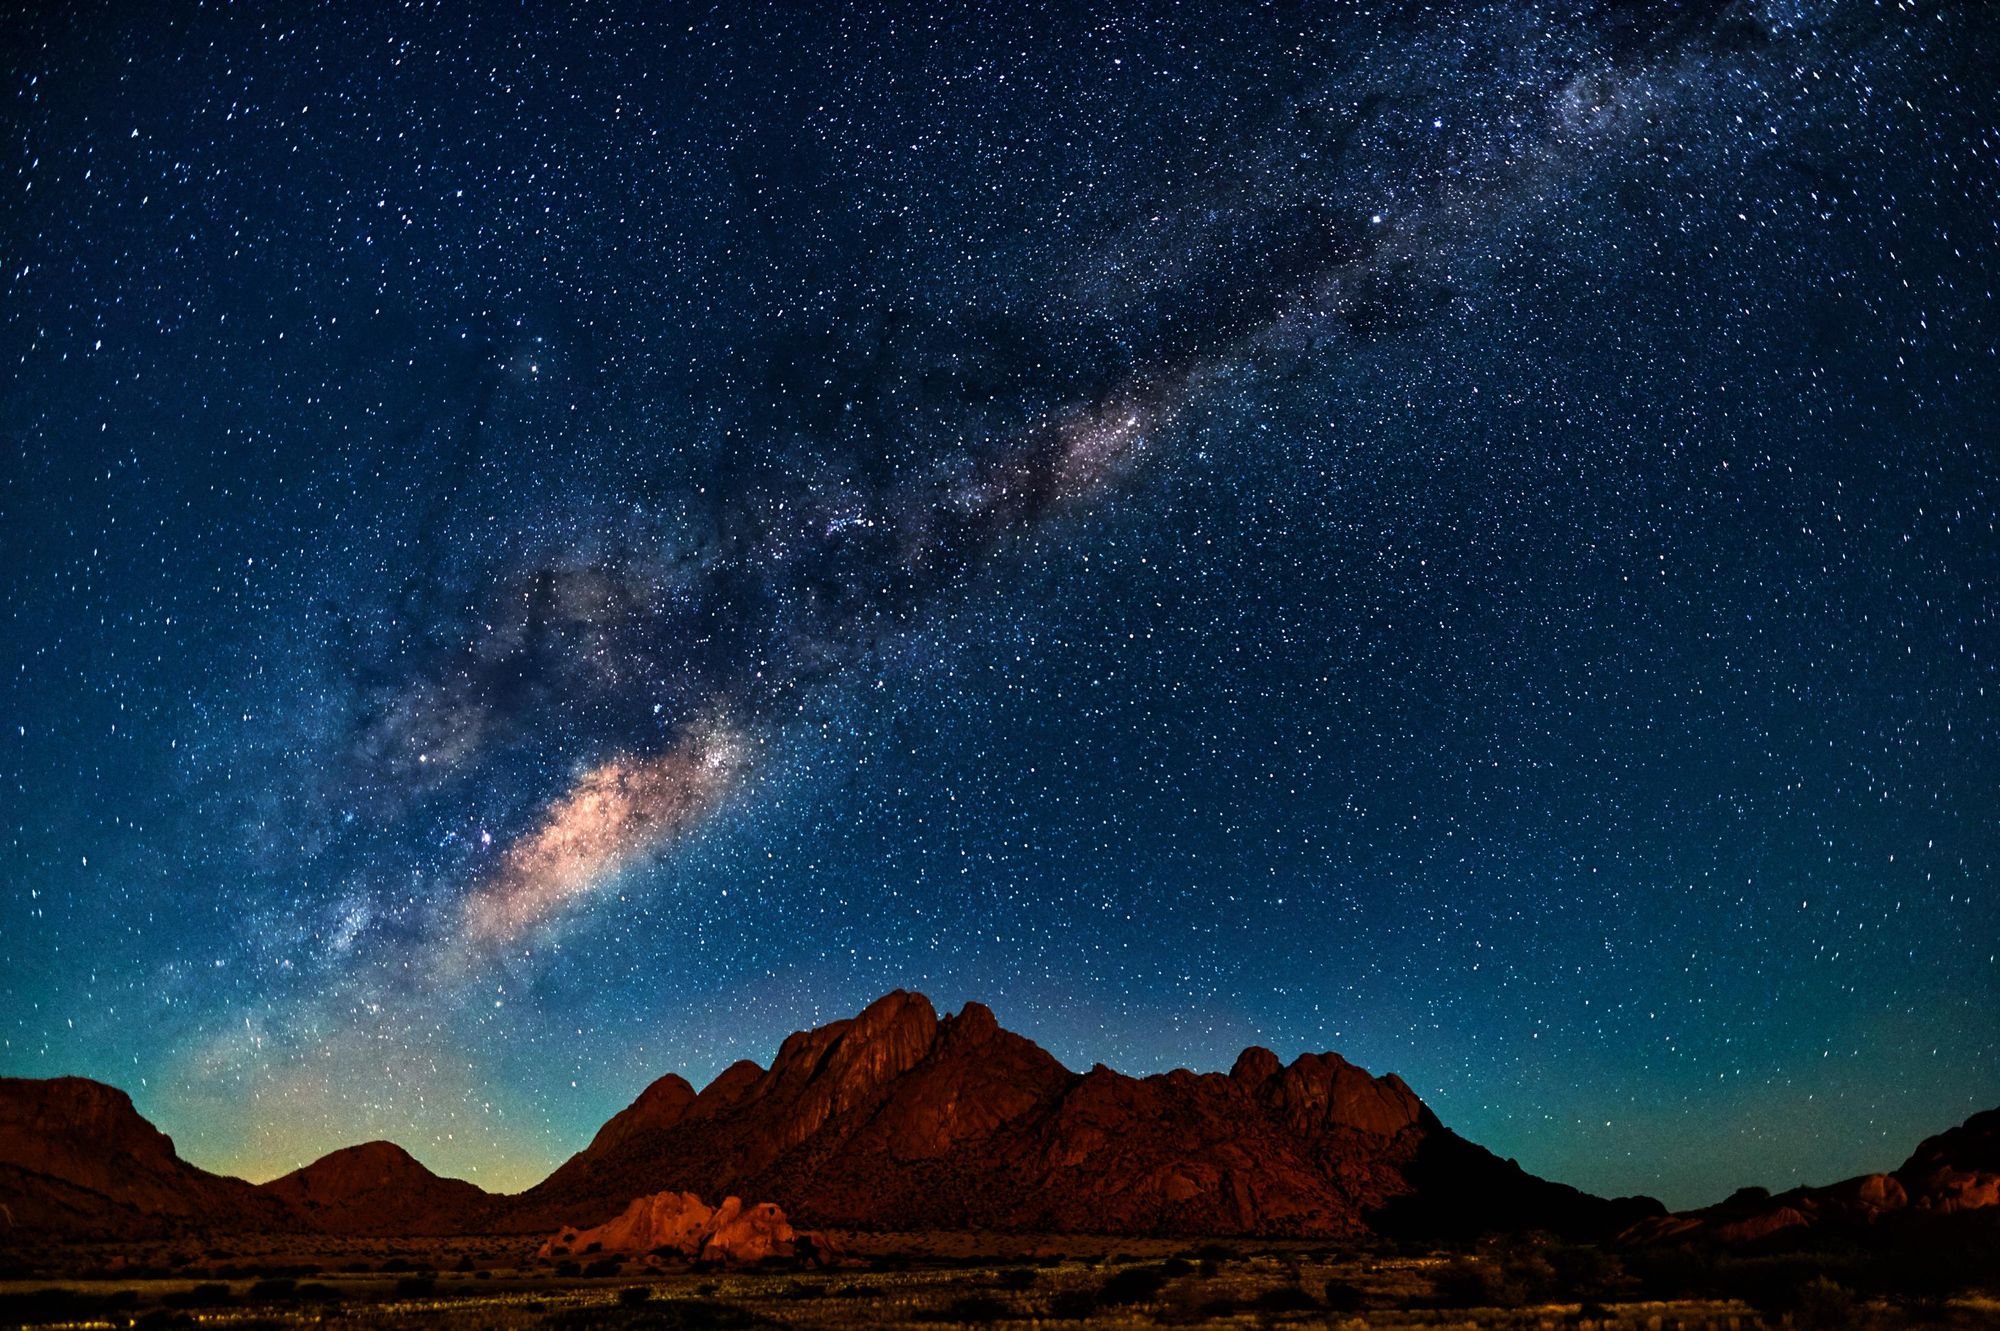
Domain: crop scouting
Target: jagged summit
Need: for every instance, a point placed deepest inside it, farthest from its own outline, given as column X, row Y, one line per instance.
column 895, row 1118
column 898, row 1117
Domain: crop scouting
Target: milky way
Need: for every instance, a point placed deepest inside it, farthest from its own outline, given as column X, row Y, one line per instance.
column 616, row 812
column 548, row 549
column 807, row 563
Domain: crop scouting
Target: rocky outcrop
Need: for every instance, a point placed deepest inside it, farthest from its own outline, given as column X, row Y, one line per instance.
column 378, row 1188
column 677, row 1226
column 1951, row 1174
column 1321, row 1093
column 78, row 1161
column 900, row 1118
column 1957, row 1170
column 660, row 1105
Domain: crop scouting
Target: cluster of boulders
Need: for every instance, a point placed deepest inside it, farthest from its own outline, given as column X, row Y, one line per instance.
column 679, row 1227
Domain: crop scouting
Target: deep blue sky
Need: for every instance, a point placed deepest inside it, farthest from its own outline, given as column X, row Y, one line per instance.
column 1468, row 541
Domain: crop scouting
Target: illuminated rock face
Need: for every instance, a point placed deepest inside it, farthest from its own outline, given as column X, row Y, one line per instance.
column 78, row 1161
column 678, row 1225
column 900, row 1118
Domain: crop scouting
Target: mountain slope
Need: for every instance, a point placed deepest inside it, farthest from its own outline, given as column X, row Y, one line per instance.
column 377, row 1188
column 78, row 1161
column 898, row 1118
column 1952, row 1175
column 893, row 1119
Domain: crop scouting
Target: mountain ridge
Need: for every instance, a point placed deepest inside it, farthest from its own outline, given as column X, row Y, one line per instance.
column 902, row 1118
column 77, row 1158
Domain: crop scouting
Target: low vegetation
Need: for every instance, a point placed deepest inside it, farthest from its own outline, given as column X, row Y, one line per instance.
column 969, row 1281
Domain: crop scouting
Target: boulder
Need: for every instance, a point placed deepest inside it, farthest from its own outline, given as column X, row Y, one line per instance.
column 739, row 1235
column 680, row 1226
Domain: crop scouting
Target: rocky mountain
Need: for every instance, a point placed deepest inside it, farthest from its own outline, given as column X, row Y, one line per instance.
column 899, row 1118
column 1952, row 1174
column 78, row 1161
column 377, row 1188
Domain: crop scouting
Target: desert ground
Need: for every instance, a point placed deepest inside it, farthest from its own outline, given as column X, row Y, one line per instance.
column 948, row 1280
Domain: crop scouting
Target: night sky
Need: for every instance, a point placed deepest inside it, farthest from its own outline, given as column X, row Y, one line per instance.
column 551, row 545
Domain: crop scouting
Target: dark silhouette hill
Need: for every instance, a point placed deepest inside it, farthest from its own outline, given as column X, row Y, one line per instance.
column 1953, row 1174
column 377, row 1188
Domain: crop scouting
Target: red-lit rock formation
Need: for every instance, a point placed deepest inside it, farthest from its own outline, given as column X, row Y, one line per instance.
column 78, row 1161
column 893, row 1119
column 678, row 1226
column 898, row 1118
